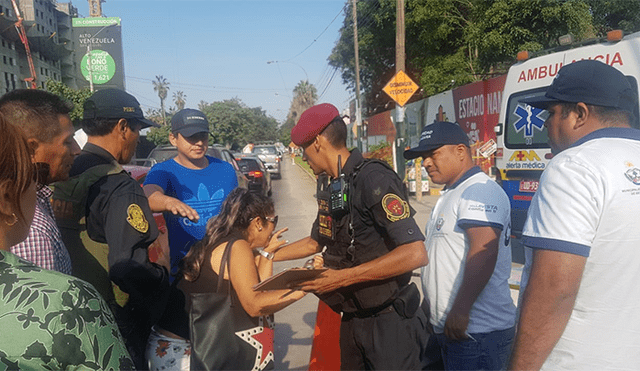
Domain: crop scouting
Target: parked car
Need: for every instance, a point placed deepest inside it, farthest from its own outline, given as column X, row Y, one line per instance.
column 282, row 149
column 270, row 155
column 165, row 152
column 255, row 170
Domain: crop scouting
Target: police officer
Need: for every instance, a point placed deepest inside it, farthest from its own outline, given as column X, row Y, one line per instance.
column 105, row 220
column 372, row 245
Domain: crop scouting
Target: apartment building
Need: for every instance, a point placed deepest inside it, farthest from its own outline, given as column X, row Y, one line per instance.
column 48, row 25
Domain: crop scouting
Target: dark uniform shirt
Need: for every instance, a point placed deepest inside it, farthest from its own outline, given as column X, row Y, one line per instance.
column 382, row 220
column 108, row 219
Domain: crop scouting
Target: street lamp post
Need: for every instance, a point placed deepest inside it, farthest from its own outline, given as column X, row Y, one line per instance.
column 303, row 70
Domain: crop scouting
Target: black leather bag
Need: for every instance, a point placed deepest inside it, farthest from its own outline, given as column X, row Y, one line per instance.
column 223, row 335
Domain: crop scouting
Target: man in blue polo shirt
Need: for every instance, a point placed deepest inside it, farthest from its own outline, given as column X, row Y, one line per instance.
column 467, row 240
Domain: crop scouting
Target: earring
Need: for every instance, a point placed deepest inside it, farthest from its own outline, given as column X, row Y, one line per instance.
column 15, row 220
column 259, row 229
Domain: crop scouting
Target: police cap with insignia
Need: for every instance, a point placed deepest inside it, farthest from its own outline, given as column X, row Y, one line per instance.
column 114, row 104
column 590, row 82
column 312, row 122
column 436, row 135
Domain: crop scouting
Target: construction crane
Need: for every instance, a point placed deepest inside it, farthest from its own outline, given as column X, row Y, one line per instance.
column 95, row 8
column 23, row 37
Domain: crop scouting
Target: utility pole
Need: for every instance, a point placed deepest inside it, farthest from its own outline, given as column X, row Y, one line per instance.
column 354, row 12
column 399, row 121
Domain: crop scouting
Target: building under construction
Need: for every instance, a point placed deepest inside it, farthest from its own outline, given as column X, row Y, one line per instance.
column 53, row 51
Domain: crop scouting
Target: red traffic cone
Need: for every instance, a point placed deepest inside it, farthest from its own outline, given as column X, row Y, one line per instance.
column 325, row 351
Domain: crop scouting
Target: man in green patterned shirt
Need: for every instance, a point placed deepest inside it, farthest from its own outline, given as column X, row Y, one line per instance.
column 51, row 321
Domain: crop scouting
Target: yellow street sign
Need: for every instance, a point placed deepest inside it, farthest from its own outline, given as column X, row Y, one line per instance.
column 401, row 88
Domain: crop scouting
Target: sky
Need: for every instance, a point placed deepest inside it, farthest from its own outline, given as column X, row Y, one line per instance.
column 214, row 50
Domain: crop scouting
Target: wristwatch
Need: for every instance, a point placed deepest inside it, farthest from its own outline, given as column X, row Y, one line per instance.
column 268, row 255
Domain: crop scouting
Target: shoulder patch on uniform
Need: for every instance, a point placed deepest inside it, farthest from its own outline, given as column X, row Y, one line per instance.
column 395, row 207
column 136, row 218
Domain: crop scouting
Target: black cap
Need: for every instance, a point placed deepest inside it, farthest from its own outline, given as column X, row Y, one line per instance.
column 189, row 122
column 590, row 82
column 115, row 104
column 436, row 135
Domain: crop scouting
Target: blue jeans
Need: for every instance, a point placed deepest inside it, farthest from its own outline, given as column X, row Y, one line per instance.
column 482, row 351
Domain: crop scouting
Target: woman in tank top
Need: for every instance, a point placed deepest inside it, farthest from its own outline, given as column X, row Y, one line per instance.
column 248, row 220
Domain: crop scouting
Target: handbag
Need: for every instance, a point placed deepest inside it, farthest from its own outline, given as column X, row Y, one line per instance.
column 223, row 335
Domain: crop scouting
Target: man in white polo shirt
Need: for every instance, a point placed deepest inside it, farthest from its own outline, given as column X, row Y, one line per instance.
column 467, row 240
column 580, row 309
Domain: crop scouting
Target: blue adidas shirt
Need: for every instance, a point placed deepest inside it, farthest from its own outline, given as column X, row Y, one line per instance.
column 203, row 189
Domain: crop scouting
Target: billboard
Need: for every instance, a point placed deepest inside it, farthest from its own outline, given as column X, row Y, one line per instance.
column 99, row 56
column 477, row 109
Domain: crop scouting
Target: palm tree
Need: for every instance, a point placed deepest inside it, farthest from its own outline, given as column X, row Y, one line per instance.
column 304, row 96
column 161, row 85
column 179, row 98
column 305, row 93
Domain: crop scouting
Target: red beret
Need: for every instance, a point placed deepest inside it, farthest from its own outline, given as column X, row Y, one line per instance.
column 312, row 122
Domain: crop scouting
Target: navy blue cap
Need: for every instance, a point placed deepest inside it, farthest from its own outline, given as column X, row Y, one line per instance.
column 436, row 135
column 189, row 122
column 590, row 82
column 114, row 104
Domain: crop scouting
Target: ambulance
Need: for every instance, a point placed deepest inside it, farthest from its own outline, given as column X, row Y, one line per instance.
column 522, row 149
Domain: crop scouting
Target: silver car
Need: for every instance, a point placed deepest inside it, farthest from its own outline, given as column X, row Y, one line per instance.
column 270, row 155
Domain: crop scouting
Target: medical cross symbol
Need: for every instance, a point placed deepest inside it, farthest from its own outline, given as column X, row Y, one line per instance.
column 528, row 120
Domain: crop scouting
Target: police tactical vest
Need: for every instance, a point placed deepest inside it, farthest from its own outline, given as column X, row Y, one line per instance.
column 89, row 258
column 365, row 297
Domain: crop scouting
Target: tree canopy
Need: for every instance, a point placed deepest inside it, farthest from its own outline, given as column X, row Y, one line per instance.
column 180, row 99
column 75, row 97
column 232, row 123
column 455, row 42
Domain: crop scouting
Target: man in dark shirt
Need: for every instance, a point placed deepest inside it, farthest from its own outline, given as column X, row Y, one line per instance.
column 373, row 244
column 106, row 222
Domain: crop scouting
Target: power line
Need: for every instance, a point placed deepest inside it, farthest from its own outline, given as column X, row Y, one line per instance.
column 321, row 33
column 207, row 87
column 329, row 83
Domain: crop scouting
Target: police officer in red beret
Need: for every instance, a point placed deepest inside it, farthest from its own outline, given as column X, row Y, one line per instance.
column 372, row 246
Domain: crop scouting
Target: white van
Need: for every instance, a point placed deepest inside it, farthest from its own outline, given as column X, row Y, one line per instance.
column 523, row 152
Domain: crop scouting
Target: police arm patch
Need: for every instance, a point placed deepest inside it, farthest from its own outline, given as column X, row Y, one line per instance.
column 395, row 207
column 136, row 218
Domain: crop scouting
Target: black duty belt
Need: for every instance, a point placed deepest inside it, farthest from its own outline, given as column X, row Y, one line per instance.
column 383, row 309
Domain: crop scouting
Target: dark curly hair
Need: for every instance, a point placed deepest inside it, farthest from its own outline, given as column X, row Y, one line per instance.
column 235, row 216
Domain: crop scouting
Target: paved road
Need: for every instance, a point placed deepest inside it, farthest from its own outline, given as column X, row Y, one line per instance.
column 296, row 208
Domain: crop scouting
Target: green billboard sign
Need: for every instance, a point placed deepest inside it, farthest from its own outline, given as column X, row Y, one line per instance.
column 99, row 56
